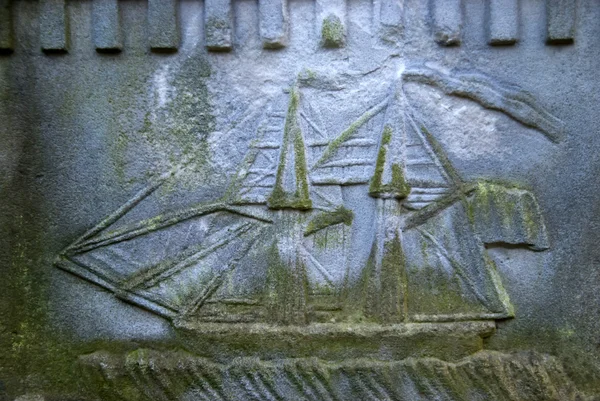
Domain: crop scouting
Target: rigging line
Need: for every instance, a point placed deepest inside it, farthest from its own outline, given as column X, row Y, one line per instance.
column 442, row 158
column 318, row 265
column 214, row 284
column 441, row 203
column 427, row 145
column 120, row 212
column 239, row 210
column 154, row 274
column 348, row 132
column 313, row 125
column 320, row 195
column 237, row 182
column 436, row 152
column 466, row 279
column 147, row 226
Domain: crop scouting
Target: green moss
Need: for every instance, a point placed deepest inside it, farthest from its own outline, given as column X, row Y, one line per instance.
column 333, row 32
column 292, row 137
column 171, row 134
column 327, row 219
column 394, row 291
column 334, row 145
column 287, row 289
column 398, row 187
column 307, row 77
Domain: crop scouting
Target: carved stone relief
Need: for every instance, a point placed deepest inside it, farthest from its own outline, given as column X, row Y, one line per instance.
column 318, row 200
column 282, row 245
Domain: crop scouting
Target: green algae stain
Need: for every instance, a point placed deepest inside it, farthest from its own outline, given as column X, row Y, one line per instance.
column 327, row 219
column 398, row 187
column 292, row 140
column 169, row 135
column 332, row 32
column 287, row 289
column 393, row 302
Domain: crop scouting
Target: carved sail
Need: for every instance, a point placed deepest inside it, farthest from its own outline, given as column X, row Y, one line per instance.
column 279, row 246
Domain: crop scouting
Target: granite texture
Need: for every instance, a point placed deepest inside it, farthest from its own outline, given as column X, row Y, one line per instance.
column 299, row 199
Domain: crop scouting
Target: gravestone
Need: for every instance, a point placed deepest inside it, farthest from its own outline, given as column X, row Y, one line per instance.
column 299, row 200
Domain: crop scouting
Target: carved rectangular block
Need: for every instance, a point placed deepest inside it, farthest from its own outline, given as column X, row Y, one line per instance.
column 331, row 22
column 391, row 12
column 107, row 26
column 273, row 23
column 6, row 27
column 163, row 25
column 218, row 25
column 53, row 26
column 503, row 22
column 447, row 21
column 560, row 21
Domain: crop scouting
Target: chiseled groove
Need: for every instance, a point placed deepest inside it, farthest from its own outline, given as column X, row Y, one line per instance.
column 323, row 382
column 291, row 373
column 146, row 385
column 250, row 389
column 305, row 374
column 367, row 384
column 377, row 385
column 161, row 378
column 154, row 274
column 269, row 386
column 364, row 390
column 147, row 226
column 259, row 384
column 496, row 376
column 208, row 381
column 431, row 372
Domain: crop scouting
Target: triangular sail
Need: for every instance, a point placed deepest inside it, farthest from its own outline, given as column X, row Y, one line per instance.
column 425, row 173
column 291, row 182
column 256, row 177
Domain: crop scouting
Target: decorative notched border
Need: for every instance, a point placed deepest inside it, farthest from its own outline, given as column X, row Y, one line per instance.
column 502, row 19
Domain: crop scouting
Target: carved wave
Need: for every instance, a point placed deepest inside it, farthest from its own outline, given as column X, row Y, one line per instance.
column 176, row 375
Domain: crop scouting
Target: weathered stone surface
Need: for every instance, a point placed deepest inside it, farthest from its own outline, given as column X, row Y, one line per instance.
column 107, row 26
column 273, row 23
column 163, row 23
column 503, row 22
column 313, row 200
column 6, row 28
column 218, row 25
column 485, row 376
column 54, row 26
column 560, row 20
column 447, row 21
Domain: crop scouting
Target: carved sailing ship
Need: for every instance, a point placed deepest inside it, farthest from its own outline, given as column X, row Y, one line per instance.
column 284, row 245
